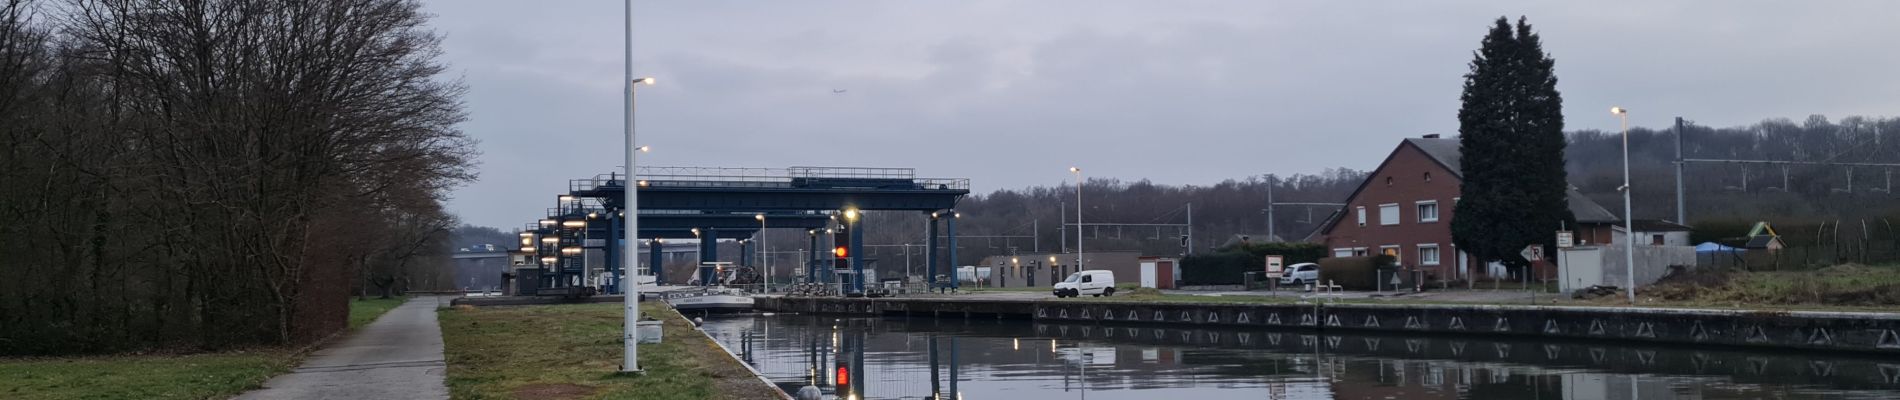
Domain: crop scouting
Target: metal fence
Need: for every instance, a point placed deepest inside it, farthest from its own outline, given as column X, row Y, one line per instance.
column 1803, row 258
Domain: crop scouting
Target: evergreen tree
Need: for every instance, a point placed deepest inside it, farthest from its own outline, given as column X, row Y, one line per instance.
column 1511, row 129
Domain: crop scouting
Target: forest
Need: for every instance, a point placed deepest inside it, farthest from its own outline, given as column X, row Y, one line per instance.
column 217, row 174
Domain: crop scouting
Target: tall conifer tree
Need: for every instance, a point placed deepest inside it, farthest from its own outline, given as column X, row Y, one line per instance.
column 1511, row 129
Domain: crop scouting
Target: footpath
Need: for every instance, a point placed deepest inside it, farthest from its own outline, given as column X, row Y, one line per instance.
column 397, row 357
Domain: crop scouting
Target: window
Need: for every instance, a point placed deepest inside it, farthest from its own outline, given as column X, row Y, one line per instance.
column 1088, row 278
column 1362, row 215
column 1428, row 211
column 1388, row 181
column 1389, row 214
column 1428, row 177
column 1428, row 254
column 1656, row 240
column 1342, row 252
column 1359, row 252
column 1392, row 250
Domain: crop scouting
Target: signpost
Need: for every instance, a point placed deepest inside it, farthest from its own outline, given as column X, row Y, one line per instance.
column 1565, row 240
column 1275, row 268
column 1535, row 254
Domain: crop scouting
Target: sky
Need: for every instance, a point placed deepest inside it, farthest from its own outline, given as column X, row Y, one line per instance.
column 1010, row 94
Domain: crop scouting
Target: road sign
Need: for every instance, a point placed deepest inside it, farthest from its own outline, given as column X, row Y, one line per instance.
column 1275, row 264
column 1565, row 240
column 1532, row 252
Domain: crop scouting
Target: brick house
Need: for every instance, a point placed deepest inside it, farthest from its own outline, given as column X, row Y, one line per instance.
column 1404, row 208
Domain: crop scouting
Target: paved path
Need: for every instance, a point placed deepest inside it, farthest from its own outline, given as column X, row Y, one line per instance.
column 397, row 357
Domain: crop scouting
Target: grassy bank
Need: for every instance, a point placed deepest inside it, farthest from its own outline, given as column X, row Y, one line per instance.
column 1841, row 286
column 155, row 376
column 572, row 352
column 362, row 312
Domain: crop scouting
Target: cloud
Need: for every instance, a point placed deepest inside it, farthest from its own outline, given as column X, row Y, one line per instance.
column 1012, row 93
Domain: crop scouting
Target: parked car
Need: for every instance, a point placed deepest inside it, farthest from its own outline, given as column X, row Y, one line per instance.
column 1299, row 274
column 1094, row 282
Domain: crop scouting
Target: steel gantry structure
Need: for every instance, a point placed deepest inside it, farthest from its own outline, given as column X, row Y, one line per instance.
column 706, row 203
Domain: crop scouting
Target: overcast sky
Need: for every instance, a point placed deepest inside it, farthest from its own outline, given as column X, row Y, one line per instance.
column 1011, row 93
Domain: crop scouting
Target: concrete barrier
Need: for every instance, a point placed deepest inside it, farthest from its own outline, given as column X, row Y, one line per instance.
column 1832, row 331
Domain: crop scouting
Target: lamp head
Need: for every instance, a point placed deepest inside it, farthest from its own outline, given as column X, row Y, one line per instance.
column 1074, row 169
column 1619, row 110
column 644, row 81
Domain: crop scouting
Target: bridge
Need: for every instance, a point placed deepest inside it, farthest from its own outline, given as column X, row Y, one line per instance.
column 705, row 203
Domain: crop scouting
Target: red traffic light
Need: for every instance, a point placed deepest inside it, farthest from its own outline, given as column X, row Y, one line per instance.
column 841, row 251
column 844, row 376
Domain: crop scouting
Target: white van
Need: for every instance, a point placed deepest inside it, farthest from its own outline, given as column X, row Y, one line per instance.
column 1094, row 282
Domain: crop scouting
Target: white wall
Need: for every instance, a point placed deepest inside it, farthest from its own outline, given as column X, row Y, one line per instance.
column 1651, row 263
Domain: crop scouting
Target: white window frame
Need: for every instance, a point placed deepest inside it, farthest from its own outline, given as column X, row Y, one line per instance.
column 1398, row 252
column 1360, row 252
column 1362, row 216
column 1433, row 250
column 1420, row 209
column 1395, row 217
column 1342, row 252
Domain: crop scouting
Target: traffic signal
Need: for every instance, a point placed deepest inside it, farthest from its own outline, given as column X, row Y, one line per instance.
column 841, row 249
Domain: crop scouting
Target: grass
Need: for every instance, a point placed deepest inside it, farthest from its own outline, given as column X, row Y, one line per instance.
column 195, row 376
column 1845, row 286
column 362, row 312
column 573, row 351
column 159, row 376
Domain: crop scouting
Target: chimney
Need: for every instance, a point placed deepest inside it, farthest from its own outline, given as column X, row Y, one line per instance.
column 1431, row 136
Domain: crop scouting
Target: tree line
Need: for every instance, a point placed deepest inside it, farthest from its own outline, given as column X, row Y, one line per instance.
column 219, row 173
column 1724, row 192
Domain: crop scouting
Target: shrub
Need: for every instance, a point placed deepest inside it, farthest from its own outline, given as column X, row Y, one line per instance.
column 1229, row 265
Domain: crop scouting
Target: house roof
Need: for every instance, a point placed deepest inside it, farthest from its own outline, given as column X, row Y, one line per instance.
column 1658, row 225
column 1448, row 153
column 1760, row 241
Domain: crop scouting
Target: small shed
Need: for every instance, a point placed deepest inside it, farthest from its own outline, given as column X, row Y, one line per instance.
column 1159, row 272
column 1763, row 237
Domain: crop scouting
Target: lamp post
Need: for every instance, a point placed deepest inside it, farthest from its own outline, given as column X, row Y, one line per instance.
column 630, row 337
column 762, row 252
column 1629, row 219
column 1078, row 217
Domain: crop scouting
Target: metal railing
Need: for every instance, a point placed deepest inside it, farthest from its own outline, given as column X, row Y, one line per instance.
column 731, row 177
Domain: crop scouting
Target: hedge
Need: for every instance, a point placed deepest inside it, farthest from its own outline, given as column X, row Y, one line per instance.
column 1229, row 265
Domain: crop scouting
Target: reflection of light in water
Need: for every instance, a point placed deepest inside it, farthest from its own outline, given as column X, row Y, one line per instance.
column 1015, row 344
column 1052, row 345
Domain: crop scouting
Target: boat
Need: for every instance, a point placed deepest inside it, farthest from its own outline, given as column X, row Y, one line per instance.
column 710, row 300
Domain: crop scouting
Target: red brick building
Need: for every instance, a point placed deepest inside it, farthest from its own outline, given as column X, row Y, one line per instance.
column 1404, row 208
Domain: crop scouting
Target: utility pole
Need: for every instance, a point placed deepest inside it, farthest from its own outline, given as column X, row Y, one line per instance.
column 1270, row 231
column 1681, row 203
column 1190, row 228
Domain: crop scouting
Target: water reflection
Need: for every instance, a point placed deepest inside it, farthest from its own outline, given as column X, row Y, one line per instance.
column 872, row 358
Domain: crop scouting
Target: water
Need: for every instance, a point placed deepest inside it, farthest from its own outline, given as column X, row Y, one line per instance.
column 892, row 358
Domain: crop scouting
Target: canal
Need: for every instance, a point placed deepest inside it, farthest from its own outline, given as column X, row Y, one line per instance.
column 912, row 358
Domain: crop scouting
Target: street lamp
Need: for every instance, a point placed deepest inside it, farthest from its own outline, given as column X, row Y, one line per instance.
column 762, row 252
column 1078, row 216
column 1629, row 220
column 630, row 337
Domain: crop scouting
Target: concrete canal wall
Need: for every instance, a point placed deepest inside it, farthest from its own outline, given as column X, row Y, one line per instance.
column 1833, row 331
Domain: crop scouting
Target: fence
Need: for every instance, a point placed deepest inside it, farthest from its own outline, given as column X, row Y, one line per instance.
column 1803, row 258
column 1604, row 265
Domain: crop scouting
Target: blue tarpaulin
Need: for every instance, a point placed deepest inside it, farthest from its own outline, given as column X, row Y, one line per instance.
column 1713, row 247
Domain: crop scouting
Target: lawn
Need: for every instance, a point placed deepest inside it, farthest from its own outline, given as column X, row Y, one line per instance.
column 362, row 312
column 573, row 352
column 170, row 376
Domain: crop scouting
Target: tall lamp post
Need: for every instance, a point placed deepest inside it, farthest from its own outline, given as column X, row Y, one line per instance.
column 630, row 337
column 1629, row 219
column 762, row 252
column 1078, row 217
